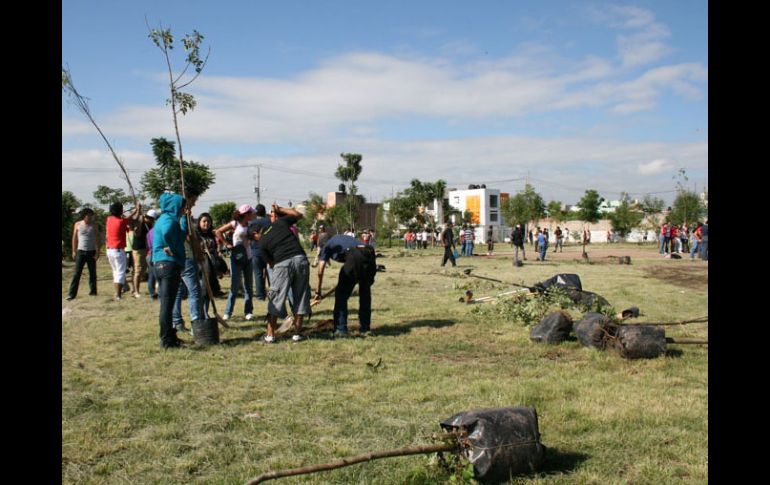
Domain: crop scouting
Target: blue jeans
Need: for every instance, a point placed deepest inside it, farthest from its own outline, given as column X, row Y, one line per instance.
column 238, row 271
column 151, row 279
column 663, row 240
column 469, row 248
column 192, row 283
column 168, row 274
column 694, row 248
column 704, row 250
column 543, row 250
column 258, row 268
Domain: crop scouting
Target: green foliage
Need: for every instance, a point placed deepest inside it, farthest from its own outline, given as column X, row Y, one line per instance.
column 652, row 205
column 69, row 207
column 409, row 207
column 314, row 206
column 687, row 208
column 403, row 208
column 589, row 209
column 589, row 206
column 527, row 309
column 467, row 217
column 624, row 219
column 107, row 195
column 221, row 213
column 385, row 225
column 191, row 43
column 349, row 174
column 197, row 176
column 338, row 217
column 524, row 207
column 555, row 212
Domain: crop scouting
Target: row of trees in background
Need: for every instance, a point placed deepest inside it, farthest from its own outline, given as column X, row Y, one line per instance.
column 406, row 209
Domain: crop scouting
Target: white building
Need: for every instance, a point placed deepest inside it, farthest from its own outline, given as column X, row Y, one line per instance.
column 484, row 205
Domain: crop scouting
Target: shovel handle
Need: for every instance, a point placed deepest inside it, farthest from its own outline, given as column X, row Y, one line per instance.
column 316, row 302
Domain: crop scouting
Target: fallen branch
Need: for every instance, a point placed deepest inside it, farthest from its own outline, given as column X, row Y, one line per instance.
column 413, row 450
column 687, row 341
column 682, row 322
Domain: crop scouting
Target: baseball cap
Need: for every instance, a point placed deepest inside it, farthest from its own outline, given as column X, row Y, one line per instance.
column 245, row 209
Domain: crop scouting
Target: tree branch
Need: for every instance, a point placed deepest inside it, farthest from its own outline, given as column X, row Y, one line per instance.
column 414, row 450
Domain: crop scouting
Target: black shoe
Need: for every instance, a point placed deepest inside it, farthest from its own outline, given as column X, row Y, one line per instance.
column 92, row 294
column 69, row 298
column 154, row 297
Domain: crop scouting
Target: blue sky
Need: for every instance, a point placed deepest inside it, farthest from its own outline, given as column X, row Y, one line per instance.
column 611, row 96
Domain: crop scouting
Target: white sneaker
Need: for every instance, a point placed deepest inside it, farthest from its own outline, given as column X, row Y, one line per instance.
column 268, row 339
column 249, row 316
column 225, row 317
column 298, row 338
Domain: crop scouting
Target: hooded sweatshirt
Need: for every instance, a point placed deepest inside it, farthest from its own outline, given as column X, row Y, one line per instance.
column 168, row 232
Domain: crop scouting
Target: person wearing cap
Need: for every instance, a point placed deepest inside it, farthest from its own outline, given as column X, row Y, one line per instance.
column 281, row 249
column 240, row 259
column 360, row 267
column 86, row 247
column 448, row 240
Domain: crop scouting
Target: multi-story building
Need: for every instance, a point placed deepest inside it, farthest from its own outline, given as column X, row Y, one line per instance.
column 485, row 207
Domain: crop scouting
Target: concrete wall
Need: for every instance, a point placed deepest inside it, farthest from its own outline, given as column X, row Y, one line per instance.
column 598, row 232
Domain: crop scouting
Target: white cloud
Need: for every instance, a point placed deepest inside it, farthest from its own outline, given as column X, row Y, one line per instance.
column 366, row 88
column 580, row 162
column 653, row 167
column 645, row 42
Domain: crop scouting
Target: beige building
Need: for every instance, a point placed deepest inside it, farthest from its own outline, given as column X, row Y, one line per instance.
column 367, row 211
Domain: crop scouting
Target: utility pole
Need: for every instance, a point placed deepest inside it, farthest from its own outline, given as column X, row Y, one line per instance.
column 257, row 187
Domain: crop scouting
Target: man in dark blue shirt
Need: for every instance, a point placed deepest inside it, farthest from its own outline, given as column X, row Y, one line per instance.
column 360, row 267
column 258, row 266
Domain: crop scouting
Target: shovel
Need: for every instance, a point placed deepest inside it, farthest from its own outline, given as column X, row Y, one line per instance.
column 289, row 320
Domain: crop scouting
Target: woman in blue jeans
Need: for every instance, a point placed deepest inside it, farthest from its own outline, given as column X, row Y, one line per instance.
column 240, row 259
column 168, row 260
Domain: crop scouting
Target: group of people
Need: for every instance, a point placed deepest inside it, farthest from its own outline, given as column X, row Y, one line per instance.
column 678, row 238
column 418, row 239
column 264, row 252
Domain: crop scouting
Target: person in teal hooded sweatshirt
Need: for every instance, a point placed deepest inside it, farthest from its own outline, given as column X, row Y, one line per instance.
column 168, row 259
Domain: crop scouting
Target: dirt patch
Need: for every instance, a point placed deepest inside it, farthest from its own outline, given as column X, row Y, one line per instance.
column 691, row 275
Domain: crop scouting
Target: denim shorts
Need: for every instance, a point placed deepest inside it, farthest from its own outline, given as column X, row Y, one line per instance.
column 292, row 273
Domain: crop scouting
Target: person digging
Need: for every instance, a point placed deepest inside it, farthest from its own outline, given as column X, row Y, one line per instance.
column 359, row 267
column 280, row 248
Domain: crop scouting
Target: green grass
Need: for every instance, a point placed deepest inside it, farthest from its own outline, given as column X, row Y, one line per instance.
column 224, row 414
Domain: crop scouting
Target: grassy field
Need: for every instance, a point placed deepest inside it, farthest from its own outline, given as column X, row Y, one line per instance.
column 133, row 413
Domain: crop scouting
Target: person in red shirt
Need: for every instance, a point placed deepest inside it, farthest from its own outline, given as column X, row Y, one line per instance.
column 117, row 228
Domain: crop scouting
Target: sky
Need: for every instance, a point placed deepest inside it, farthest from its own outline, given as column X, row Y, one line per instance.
column 565, row 95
